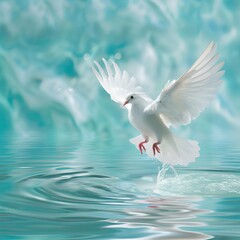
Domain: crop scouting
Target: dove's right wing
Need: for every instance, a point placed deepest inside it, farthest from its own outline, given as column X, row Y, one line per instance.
column 118, row 84
column 183, row 100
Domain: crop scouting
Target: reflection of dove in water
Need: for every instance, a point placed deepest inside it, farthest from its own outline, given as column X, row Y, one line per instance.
column 179, row 102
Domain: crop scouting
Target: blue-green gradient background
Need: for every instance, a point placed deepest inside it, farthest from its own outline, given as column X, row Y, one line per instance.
column 47, row 47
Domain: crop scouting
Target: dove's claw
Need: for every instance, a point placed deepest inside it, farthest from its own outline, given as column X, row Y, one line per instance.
column 156, row 148
column 141, row 146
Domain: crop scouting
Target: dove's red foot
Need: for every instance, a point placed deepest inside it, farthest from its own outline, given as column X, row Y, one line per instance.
column 155, row 148
column 141, row 146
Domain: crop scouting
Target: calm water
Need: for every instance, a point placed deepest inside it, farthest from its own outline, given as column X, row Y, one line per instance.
column 73, row 189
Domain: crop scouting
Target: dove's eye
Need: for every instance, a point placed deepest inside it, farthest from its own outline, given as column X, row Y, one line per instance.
column 131, row 97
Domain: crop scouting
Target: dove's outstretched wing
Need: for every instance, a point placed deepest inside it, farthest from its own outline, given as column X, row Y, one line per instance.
column 118, row 84
column 182, row 100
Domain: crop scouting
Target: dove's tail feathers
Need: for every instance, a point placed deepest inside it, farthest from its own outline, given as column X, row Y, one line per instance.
column 173, row 150
column 178, row 151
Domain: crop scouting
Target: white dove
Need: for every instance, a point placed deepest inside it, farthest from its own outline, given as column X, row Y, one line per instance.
column 179, row 103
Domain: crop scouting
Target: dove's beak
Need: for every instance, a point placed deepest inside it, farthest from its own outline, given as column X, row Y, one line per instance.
column 125, row 103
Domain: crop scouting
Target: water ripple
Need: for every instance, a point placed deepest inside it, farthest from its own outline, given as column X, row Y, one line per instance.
column 78, row 193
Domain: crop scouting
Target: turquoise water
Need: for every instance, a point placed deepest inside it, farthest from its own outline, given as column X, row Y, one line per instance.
column 73, row 189
column 67, row 169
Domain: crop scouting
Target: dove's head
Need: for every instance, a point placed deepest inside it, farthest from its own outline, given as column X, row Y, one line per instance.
column 133, row 98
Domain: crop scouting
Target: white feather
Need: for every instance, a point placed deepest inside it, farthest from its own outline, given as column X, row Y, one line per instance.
column 182, row 100
column 117, row 84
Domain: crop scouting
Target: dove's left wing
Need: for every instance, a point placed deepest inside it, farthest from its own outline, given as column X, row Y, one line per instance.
column 182, row 100
column 118, row 84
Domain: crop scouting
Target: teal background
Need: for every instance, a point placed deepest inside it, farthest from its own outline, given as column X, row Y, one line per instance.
column 47, row 47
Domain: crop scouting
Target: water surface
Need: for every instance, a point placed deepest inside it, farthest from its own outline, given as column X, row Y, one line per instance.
column 73, row 189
